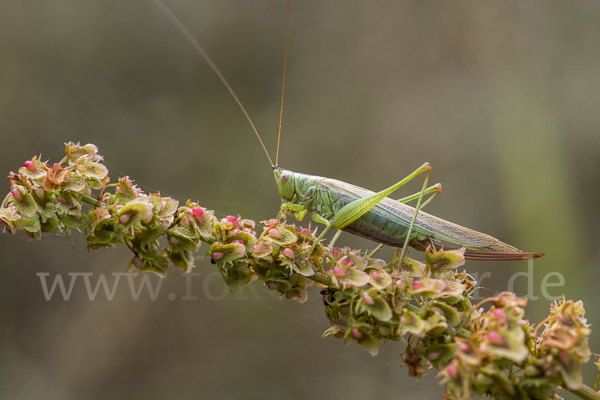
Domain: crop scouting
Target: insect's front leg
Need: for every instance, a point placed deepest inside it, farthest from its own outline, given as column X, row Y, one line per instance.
column 328, row 224
column 299, row 209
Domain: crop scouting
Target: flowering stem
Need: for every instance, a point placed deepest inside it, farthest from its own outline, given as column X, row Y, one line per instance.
column 368, row 301
column 318, row 280
column 412, row 307
column 586, row 392
column 90, row 200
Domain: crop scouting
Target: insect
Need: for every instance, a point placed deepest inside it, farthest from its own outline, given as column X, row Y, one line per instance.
column 372, row 215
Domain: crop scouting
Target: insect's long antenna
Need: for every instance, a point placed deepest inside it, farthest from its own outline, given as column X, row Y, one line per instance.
column 287, row 45
column 159, row 4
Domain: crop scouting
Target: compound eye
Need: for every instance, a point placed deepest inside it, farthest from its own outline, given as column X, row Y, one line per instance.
column 284, row 178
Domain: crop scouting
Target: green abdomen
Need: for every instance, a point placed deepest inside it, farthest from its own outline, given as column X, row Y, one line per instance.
column 378, row 224
column 381, row 228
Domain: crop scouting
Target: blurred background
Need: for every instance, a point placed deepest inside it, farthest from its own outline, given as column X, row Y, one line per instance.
column 501, row 97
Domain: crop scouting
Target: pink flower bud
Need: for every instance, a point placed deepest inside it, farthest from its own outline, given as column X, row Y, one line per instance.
column 56, row 166
column 137, row 262
column 339, row 272
column 500, row 315
column 256, row 248
column 123, row 219
column 273, row 286
column 248, row 223
column 495, row 338
column 562, row 318
column 376, row 276
column 417, row 284
column 233, row 220
column 148, row 217
column 217, row 256
column 173, row 240
column 17, row 194
column 356, row 333
column 39, row 192
column 348, row 263
column 239, row 241
column 274, row 233
column 368, row 299
column 463, row 347
column 452, row 370
column 30, row 166
column 289, row 253
column 433, row 355
column 564, row 358
column 303, row 231
column 336, row 251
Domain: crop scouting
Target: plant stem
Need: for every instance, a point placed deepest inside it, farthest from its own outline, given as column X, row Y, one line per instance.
column 585, row 392
column 317, row 279
column 90, row 200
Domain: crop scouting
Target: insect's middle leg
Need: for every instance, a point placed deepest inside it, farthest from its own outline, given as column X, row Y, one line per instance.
column 327, row 223
column 417, row 208
column 435, row 189
column 335, row 238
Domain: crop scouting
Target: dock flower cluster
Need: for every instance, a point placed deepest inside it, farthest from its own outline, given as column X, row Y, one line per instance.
column 483, row 349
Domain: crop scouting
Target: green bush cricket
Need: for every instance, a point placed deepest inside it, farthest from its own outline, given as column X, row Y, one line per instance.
column 375, row 216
